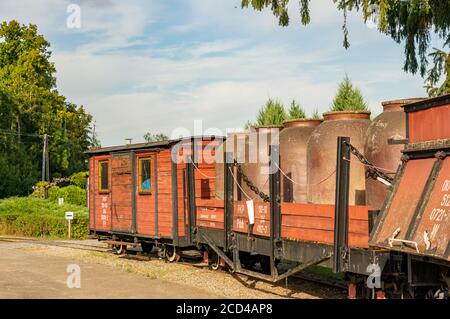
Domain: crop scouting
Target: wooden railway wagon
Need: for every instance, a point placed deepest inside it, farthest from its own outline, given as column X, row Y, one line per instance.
column 301, row 233
column 141, row 194
column 414, row 223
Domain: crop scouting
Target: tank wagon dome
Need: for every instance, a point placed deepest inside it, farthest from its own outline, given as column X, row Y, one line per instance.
column 293, row 161
column 321, row 156
column 237, row 144
column 383, row 145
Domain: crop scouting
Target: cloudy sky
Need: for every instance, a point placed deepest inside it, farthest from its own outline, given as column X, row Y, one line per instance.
column 154, row 66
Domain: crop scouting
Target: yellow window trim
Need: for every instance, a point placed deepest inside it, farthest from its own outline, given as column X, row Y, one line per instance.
column 100, row 189
column 140, row 160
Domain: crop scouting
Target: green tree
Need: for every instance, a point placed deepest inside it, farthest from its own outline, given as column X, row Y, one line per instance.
column 409, row 22
column 348, row 98
column 150, row 138
column 295, row 111
column 31, row 106
column 271, row 113
column 315, row 115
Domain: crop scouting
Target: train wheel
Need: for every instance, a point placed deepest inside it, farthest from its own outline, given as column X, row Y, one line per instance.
column 215, row 261
column 173, row 254
column 147, row 247
column 119, row 249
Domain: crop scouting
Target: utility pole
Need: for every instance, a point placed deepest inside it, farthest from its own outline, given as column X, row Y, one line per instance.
column 45, row 161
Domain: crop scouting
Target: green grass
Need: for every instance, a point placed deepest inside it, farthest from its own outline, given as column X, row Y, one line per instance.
column 325, row 271
column 36, row 217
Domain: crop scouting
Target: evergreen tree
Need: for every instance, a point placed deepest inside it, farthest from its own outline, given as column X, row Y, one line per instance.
column 295, row 111
column 348, row 98
column 272, row 113
column 316, row 115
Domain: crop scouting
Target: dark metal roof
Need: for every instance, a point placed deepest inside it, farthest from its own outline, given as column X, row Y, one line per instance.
column 141, row 146
column 425, row 104
column 130, row 147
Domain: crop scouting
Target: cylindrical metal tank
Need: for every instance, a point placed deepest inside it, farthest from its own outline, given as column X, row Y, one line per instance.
column 390, row 124
column 293, row 148
column 321, row 156
column 237, row 144
column 256, row 166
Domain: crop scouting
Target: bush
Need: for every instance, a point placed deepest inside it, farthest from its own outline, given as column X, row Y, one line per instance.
column 79, row 179
column 35, row 217
column 72, row 194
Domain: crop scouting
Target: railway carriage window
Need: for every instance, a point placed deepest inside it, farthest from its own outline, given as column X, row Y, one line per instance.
column 103, row 176
column 144, row 175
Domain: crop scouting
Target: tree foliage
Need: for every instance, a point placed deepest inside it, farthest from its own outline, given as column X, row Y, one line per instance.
column 150, row 138
column 315, row 115
column 296, row 111
column 31, row 106
column 348, row 98
column 271, row 113
column 410, row 22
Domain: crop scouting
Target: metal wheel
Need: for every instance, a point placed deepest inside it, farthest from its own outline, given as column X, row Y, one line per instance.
column 119, row 249
column 215, row 261
column 173, row 254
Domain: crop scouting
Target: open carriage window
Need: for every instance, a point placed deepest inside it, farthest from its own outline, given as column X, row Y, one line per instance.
column 144, row 175
column 103, row 176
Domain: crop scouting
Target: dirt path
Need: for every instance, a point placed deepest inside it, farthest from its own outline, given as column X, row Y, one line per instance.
column 38, row 269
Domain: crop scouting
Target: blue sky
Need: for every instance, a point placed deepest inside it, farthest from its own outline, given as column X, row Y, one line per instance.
column 140, row 66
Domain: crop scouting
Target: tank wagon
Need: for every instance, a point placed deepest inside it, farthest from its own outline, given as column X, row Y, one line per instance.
column 174, row 196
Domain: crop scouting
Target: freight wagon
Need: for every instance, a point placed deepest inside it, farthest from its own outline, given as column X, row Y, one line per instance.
column 172, row 195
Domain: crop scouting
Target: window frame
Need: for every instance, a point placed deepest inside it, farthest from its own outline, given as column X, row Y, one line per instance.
column 139, row 180
column 100, row 189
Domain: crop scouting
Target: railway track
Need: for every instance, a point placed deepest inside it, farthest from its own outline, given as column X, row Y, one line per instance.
column 188, row 258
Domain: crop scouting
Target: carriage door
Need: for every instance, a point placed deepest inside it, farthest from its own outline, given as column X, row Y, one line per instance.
column 122, row 192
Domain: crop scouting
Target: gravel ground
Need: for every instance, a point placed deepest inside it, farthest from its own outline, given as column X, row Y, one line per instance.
column 189, row 273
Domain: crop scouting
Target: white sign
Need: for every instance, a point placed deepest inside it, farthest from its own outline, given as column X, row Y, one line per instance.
column 251, row 212
column 69, row 215
column 61, row 201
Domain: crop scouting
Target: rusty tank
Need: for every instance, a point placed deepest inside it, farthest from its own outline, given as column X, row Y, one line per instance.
column 389, row 125
column 293, row 148
column 321, row 156
column 237, row 144
column 256, row 166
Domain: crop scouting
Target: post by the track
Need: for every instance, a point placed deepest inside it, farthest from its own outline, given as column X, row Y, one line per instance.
column 340, row 249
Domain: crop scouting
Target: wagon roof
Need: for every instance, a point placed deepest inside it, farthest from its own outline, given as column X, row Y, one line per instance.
column 427, row 103
column 135, row 146
column 140, row 146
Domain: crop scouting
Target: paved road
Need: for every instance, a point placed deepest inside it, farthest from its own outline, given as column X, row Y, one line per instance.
column 24, row 273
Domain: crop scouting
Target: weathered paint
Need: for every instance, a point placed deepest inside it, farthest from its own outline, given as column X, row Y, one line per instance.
column 429, row 124
column 401, row 209
column 433, row 226
column 315, row 223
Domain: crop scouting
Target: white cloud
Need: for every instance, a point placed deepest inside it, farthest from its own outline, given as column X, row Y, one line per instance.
column 221, row 65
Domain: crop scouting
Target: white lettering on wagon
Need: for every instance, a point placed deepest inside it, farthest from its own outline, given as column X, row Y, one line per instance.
column 104, row 215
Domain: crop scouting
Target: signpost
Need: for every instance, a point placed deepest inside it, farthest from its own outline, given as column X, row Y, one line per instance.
column 69, row 217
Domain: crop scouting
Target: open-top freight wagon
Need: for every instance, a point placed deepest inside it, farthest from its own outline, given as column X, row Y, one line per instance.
column 171, row 195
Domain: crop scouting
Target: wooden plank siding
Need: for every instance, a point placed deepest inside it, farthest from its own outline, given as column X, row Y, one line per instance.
column 315, row 223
